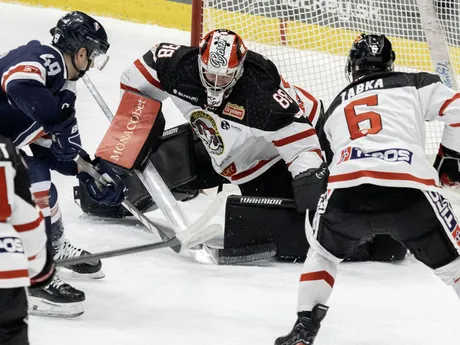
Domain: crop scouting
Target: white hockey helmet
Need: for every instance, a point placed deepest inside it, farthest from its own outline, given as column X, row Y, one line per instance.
column 220, row 61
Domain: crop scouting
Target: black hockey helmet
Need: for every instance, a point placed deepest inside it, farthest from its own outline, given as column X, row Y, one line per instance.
column 369, row 54
column 78, row 30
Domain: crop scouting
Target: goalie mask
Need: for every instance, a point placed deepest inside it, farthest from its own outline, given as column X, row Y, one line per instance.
column 369, row 54
column 220, row 61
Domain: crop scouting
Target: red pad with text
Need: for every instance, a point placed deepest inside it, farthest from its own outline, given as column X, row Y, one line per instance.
column 134, row 133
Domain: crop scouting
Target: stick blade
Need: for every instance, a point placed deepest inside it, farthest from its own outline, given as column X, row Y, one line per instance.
column 190, row 238
column 234, row 256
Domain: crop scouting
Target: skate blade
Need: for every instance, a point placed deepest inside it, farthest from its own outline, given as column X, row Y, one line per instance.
column 81, row 276
column 41, row 307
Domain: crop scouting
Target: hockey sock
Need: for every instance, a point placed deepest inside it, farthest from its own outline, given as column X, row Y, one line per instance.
column 316, row 281
column 41, row 193
column 57, row 227
column 450, row 274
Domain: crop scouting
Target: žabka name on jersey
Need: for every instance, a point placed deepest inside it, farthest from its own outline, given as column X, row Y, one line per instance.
column 388, row 155
column 360, row 88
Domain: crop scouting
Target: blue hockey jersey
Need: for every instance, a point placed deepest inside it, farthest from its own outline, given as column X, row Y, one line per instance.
column 35, row 93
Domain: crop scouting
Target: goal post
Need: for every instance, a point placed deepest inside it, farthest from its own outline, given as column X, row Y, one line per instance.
column 309, row 40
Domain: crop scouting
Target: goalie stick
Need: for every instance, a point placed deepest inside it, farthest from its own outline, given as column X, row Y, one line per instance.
column 182, row 241
column 202, row 253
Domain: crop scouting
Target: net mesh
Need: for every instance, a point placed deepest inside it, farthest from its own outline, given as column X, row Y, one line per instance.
column 309, row 39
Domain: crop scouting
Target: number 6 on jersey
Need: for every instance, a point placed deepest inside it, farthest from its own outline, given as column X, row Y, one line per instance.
column 373, row 121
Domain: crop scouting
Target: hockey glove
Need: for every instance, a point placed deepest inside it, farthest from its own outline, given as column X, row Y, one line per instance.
column 447, row 164
column 109, row 193
column 48, row 271
column 308, row 187
column 66, row 139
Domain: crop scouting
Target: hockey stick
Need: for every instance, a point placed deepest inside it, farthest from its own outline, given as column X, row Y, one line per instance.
column 182, row 241
column 156, row 187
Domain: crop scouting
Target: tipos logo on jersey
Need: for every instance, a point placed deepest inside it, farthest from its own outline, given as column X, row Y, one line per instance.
column 234, row 110
column 11, row 245
column 207, row 130
column 445, row 214
column 389, row 155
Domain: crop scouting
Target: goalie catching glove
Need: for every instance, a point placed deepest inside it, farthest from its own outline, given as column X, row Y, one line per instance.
column 308, row 187
column 111, row 191
column 447, row 164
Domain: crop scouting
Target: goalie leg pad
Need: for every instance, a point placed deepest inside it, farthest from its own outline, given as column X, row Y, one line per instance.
column 258, row 220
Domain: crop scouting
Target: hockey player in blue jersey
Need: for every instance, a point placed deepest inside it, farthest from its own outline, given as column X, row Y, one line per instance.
column 37, row 98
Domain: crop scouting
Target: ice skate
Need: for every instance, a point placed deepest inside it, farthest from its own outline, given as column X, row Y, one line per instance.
column 92, row 269
column 305, row 329
column 57, row 299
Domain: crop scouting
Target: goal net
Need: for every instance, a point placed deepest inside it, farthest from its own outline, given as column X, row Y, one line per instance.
column 309, row 39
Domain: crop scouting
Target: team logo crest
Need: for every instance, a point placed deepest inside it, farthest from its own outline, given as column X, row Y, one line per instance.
column 234, row 110
column 207, row 130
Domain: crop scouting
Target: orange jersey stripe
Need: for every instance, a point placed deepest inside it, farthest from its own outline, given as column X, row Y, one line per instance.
column 295, row 137
column 320, row 275
column 29, row 226
column 380, row 175
column 14, row 274
column 146, row 74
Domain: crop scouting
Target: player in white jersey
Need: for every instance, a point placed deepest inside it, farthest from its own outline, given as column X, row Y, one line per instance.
column 381, row 181
column 24, row 258
column 256, row 128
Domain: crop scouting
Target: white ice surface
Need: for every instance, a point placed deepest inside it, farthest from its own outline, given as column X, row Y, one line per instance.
column 161, row 298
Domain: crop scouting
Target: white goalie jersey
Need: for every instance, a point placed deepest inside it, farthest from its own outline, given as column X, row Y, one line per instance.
column 374, row 131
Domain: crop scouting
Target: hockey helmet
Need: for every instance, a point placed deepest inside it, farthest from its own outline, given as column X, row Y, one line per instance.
column 78, row 30
column 220, row 61
column 369, row 54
